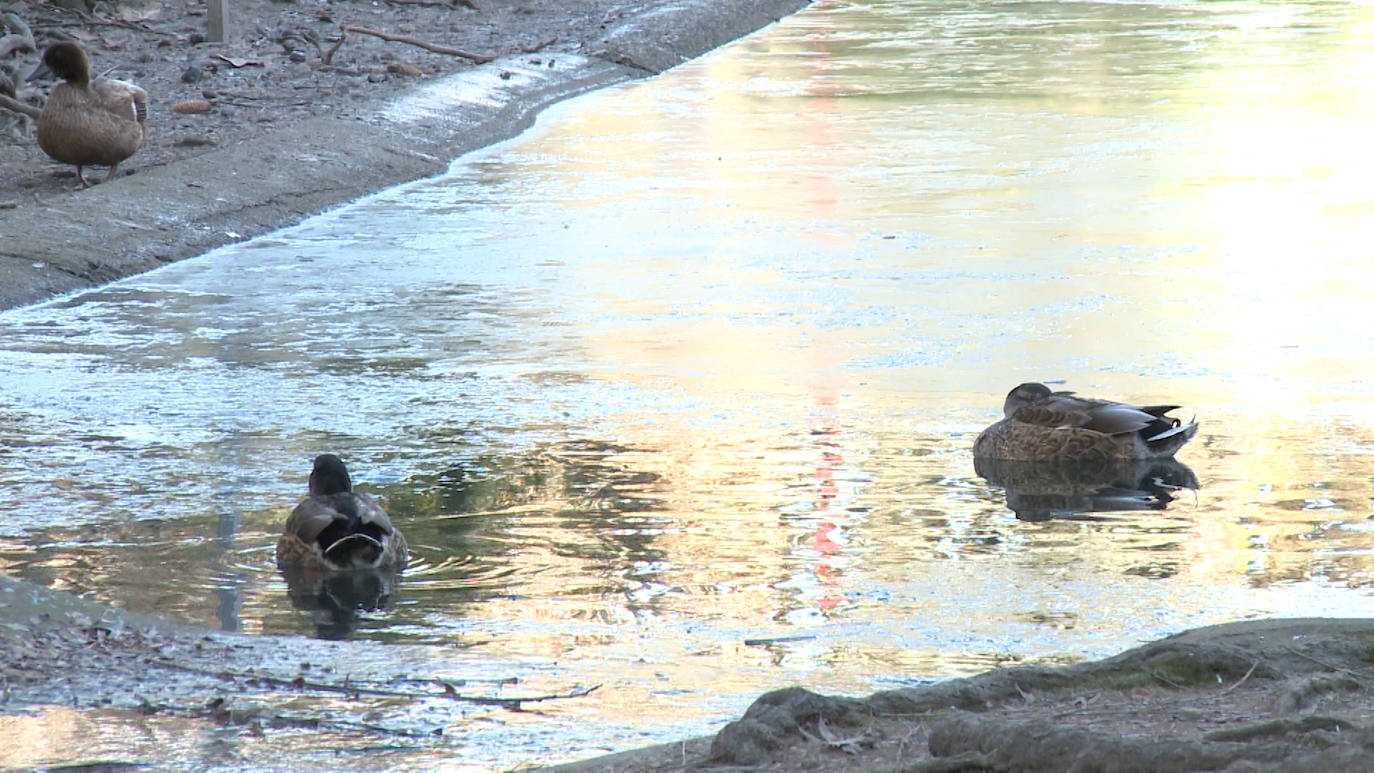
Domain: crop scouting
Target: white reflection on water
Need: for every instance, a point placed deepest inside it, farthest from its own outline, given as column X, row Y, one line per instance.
column 700, row 361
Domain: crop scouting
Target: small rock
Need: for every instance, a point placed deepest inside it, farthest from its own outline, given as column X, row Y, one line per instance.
column 195, row 38
column 404, row 69
column 376, row 77
column 505, row 75
column 209, row 93
column 297, row 56
column 191, row 74
column 193, row 106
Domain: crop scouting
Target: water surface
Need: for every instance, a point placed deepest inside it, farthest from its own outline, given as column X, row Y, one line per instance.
column 697, row 363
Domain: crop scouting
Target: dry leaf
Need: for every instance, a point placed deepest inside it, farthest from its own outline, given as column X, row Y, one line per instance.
column 237, row 63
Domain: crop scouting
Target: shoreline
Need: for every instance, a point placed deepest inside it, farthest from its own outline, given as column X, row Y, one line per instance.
column 71, row 242
column 1274, row 694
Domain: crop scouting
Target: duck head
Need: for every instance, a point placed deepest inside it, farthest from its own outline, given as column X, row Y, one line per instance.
column 329, row 476
column 65, row 60
column 1024, row 395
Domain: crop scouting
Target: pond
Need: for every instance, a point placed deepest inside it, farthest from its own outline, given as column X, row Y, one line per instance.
column 675, row 393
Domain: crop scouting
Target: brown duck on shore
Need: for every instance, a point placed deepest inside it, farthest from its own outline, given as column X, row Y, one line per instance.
column 338, row 528
column 88, row 120
column 1041, row 425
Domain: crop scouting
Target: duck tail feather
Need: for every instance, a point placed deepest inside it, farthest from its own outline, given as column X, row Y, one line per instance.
column 354, row 550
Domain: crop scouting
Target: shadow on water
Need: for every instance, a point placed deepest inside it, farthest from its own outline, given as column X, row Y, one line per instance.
column 1039, row 491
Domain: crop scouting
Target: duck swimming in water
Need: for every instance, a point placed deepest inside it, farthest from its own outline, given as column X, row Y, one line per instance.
column 337, row 528
column 88, row 120
column 1042, row 425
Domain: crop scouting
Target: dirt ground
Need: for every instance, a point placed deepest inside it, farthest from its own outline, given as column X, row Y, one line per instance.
column 283, row 62
column 1268, row 695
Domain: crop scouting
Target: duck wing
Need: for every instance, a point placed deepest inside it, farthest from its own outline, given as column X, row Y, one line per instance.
column 1063, row 410
column 328, row 518
column 122, row 98
column 1118, row 418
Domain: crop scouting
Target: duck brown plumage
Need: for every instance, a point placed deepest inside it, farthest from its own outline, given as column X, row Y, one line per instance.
column 88, row 121
column 338, row 528
column 1042, row 425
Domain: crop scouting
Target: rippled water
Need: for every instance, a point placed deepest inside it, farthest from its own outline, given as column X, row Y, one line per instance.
column 697, row 363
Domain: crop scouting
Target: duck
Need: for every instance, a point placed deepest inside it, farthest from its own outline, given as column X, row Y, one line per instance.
column 88, row 121
column 1039, row 424
column 336, row 528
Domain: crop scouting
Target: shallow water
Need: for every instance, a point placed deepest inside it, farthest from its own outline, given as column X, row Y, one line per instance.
column 675, row 393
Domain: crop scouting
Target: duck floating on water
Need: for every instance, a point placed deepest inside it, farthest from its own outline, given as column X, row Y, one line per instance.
column 336, row 528
column 1042, row 425
column 88, row 121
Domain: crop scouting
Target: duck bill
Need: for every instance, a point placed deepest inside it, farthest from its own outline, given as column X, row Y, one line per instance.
column 41, row 71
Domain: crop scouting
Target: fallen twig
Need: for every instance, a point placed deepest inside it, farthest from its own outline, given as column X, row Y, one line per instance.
column 222, row 713
column 435, row 3
column 1359, row 677
column 539, row 46
column 95, row 22
column 1167, row 680
column 1241, row 680
column 19, row 107
column 390, row 38
column 450, row 691
column 328, row 56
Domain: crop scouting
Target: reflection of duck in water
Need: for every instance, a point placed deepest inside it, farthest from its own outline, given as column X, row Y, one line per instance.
column 335, row 601
column 338, row 528
column 1038, row 491
column 1041, row 425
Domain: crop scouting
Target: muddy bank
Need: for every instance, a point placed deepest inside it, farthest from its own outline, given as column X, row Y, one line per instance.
column 308, row 135
column 1266, row 695
column 92, row 687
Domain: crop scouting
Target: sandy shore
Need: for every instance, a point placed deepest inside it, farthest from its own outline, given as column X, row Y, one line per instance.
column 289, row 141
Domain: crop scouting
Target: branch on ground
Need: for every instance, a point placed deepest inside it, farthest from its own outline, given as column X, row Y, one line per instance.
column 19, row 107
column 390, row 38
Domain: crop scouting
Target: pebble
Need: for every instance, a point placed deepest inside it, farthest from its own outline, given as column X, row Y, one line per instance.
column 404, row 69
column 191, row 74
column 297, row 56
